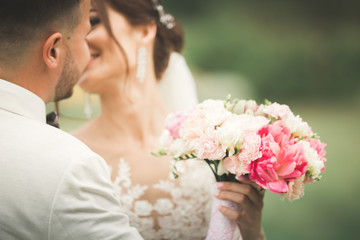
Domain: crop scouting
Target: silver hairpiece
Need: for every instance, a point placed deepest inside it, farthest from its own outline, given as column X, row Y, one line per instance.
column 165, row 18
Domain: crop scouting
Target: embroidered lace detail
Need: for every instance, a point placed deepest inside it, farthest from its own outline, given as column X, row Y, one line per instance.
column 184, row 215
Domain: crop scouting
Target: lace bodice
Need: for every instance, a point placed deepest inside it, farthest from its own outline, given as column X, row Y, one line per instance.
column 184, row 215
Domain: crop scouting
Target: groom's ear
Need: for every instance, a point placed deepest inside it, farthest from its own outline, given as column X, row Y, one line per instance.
column 53, row 50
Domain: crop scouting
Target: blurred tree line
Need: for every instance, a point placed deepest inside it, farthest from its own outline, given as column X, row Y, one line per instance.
column 286, row 49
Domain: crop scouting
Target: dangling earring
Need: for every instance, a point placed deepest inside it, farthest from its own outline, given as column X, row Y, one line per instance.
column 141, row 64
column 88, row 108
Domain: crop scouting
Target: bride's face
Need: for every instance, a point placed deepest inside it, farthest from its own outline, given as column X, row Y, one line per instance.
column 107, row 67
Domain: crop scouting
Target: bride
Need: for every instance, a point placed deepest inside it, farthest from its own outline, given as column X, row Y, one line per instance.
column 131, row 43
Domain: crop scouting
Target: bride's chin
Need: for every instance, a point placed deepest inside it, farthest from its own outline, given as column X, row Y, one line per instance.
column 84, row 81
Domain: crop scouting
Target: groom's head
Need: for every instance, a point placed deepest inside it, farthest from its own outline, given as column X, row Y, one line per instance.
column 43, row 44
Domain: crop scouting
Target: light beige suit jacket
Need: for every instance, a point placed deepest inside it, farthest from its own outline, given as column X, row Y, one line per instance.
column 51, row 185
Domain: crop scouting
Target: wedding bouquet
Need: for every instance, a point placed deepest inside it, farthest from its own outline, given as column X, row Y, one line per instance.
column 273, row 147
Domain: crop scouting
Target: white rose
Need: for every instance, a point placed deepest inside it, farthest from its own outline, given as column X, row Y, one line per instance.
column 178, row 148
column 239, row 108
column 297, row 126
column 260, row 110
column 243, row 106
column 315, row 164
column 221, row 168
column 229, row 138
column 251, row 107
column 165, row 140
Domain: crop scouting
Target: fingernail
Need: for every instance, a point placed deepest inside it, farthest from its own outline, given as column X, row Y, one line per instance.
column 219, row 207
column 220, row 184
column 241, row 178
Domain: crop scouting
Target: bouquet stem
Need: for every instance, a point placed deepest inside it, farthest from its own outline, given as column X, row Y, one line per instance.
column 221, row 227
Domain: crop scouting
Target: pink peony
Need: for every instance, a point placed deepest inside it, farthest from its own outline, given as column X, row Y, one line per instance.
column 173, row 123
column 319, row 147
column 280, row 133
column 207, row 146
column 282, row 160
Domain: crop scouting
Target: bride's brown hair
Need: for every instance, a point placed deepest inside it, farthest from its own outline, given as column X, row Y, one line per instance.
column 142, row 12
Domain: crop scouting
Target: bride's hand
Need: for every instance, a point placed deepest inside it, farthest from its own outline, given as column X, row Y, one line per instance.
column 250, row 197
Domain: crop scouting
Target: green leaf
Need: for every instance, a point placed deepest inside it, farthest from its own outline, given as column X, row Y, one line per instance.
column 267, row 102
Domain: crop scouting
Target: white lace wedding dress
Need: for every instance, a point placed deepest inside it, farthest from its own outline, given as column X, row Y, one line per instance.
column 184, row 215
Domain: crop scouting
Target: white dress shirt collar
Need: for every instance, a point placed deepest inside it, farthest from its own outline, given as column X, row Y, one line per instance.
column 21, row 101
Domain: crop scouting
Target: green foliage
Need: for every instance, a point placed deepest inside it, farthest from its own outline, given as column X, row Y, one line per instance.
column 286, row 49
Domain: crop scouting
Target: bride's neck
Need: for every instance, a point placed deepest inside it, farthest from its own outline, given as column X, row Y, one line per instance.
column 135, row 114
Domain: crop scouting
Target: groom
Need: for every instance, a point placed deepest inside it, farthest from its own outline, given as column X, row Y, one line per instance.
column 51, row 185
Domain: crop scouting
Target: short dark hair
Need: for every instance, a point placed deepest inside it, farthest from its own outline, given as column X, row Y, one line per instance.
column 22, row 22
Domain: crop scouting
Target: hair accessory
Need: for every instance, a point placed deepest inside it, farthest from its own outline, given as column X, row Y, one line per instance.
column 165, row 18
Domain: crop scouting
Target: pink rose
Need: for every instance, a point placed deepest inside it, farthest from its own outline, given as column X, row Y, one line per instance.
column 173, row 123
column 282, row 160
column 319, row 147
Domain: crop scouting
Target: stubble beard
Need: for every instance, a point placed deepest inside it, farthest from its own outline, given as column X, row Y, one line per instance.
column 68, row 78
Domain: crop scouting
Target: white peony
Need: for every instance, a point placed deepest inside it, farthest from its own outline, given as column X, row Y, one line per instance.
column 315, row 164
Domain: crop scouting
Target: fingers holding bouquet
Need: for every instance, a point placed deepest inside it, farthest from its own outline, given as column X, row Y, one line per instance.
column 250, row 199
